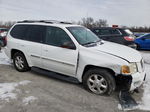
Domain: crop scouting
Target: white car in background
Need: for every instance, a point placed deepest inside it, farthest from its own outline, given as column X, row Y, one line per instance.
column 75, row 51
column 3, row 32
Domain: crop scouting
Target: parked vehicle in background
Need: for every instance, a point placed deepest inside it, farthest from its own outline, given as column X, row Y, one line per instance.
column 2, row 41
column 114, row 34
column 75, row 51
column 143, row 42
column 139, row 34
column 3, row 32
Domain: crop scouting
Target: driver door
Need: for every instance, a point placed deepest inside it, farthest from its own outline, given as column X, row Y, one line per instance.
column 55, row 56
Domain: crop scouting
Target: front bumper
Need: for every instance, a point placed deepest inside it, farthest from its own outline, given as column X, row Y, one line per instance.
column 137, row 80
column 130, row 82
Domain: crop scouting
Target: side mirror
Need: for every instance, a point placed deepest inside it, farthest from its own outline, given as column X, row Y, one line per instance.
column 69, row 45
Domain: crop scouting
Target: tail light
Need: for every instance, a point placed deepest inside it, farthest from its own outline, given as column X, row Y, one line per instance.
column 5, row 40
column 1, row 31
column 129, row 38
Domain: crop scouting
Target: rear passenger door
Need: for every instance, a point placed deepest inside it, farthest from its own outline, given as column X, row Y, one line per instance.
column 57, row 57
column 28, row 38
column 35, row 36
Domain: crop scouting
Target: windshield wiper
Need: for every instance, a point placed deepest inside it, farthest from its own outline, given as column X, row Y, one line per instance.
column 89, row 43
column 99, row 41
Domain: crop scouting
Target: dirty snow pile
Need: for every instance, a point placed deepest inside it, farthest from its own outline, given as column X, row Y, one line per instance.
column 4, row 59
column 8, row 91
column 29, row 99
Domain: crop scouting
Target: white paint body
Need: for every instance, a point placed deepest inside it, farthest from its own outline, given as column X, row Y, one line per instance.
column 73, row 62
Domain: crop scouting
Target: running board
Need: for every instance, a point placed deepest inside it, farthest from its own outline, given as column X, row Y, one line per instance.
column 55, row 75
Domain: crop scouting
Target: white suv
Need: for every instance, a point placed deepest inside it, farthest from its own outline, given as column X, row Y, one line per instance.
column 75, row 51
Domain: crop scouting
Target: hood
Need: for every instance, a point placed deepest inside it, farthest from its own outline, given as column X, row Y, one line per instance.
column 120, row 51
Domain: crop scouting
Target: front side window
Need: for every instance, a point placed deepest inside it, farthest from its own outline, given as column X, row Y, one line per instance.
column 147, row 36
column 83, row 35
column 57, row 37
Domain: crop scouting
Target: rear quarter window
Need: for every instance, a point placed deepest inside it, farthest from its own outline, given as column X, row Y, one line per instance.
column 34, row 33
column 106, row 32
column 19, row 31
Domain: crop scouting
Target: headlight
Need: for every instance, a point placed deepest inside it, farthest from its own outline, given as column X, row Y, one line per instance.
column 129, row 69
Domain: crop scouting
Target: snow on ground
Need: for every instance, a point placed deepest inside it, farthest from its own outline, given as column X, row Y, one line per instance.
column 145, row 104
column 29, row 99
column 4, row 59
column 8, row 90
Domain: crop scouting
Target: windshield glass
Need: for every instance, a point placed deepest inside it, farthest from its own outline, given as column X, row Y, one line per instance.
column 83, row 35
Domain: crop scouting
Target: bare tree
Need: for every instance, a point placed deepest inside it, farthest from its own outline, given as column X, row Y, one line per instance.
column 7, row 24
column 101, row 23
column 90, row 23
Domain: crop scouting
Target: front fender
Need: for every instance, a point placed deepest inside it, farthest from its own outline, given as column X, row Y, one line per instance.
column 101, row 60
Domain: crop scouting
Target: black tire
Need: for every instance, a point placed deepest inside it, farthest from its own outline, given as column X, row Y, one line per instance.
column 109, row 80
column 138, row 47
column 25, row 66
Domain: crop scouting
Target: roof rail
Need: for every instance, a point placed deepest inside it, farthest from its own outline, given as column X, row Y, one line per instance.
column 44, row 21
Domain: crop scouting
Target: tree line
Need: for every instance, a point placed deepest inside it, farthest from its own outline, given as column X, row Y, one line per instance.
column 89, row 22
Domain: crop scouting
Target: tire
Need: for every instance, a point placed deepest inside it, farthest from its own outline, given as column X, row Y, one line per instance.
column 138, row 47
column 20, row 62
column 104, row 84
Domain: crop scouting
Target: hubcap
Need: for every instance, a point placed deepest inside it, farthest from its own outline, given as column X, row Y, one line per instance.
column 97, row 84
column 19, row 62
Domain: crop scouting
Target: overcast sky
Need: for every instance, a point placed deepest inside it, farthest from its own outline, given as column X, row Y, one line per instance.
column 121, row 12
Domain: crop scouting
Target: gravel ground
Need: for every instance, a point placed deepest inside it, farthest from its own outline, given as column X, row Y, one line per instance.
column 39, row 91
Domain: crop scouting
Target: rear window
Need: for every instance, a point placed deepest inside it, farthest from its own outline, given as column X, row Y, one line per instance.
column 128, row 32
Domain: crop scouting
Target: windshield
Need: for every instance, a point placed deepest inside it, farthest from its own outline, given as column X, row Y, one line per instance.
column 83, row 35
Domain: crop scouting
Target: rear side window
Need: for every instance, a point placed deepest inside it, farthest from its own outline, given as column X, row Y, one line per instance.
column 115, row 32
column 36, row 33
column 19, row 31
column 107, row 32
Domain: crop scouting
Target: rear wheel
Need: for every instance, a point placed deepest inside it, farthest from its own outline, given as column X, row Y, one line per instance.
column 20, row 62
column 99, row 81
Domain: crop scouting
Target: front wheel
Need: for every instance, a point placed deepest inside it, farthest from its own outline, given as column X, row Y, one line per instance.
column 20, row 62
column 99, row 81
column 138, row 47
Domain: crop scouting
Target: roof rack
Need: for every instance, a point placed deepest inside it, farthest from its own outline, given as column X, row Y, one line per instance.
column 44, row 21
